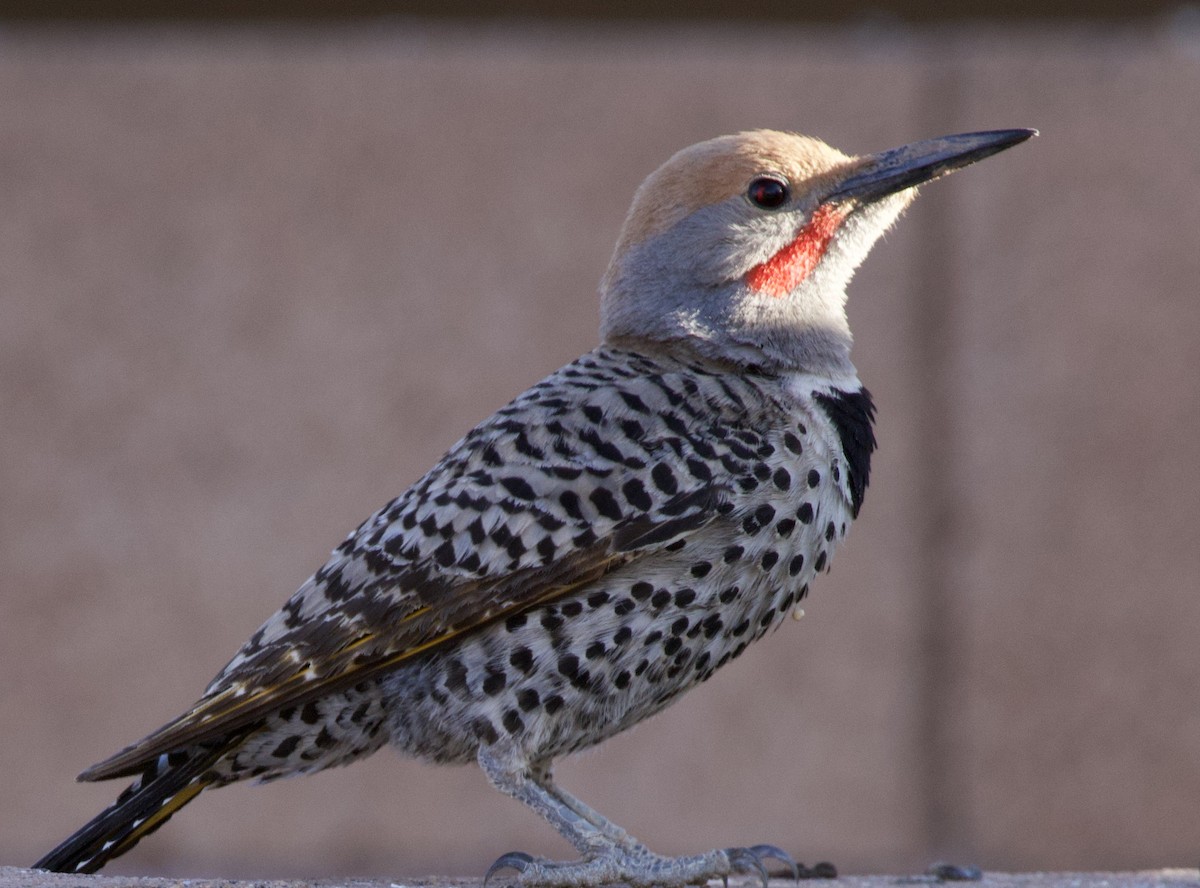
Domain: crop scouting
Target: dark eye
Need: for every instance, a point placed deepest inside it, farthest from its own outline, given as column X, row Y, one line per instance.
column 768, row 192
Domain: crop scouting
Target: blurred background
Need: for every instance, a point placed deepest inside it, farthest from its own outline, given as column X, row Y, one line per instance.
column 260, row 266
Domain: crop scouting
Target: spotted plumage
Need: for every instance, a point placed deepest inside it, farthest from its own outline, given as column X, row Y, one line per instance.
column 604, row 542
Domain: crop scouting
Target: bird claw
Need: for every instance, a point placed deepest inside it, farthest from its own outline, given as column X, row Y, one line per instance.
column 514, row 860
column 643, row 868
column 773, row 852
column 748, row 859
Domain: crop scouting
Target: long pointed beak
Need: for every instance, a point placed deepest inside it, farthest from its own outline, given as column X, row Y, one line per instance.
column 890, row 171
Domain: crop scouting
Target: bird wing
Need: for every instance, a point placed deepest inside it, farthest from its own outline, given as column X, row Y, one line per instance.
column 478, row 539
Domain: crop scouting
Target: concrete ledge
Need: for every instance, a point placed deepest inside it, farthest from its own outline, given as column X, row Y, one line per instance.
column 14, row 877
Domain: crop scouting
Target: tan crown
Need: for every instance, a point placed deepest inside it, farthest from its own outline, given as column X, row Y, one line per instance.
column 720, row 168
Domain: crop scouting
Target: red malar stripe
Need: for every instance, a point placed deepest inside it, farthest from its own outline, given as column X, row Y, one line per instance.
column 783, row 272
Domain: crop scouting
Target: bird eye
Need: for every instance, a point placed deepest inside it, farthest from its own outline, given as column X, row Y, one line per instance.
column 768, row 192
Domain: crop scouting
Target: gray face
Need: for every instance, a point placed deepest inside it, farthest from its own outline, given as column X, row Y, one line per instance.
column 688, row 285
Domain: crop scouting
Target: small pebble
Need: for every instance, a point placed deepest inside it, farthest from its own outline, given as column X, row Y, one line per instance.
column 951, row 872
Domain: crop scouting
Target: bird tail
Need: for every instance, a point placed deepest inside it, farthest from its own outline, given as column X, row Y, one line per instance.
column 167, row 784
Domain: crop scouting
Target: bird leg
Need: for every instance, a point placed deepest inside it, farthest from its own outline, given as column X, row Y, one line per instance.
column 609, row 854
column 542, row 776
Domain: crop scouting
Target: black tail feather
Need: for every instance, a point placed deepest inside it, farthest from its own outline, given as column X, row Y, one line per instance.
column 166, row 785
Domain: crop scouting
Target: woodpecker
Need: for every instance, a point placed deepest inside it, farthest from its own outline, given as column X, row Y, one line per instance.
column 606, row 541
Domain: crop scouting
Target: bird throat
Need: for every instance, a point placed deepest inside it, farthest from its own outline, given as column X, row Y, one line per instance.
column 784, row 272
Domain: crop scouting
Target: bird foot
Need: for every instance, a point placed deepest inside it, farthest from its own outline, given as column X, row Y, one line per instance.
column 634, row 865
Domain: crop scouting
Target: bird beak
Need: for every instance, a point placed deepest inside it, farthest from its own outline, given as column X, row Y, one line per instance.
column 879, row 175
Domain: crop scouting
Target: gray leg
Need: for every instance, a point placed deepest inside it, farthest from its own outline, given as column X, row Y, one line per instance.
column 609, row 853
column 542, row 776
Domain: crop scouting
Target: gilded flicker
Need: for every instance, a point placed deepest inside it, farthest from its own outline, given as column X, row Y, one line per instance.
column 600, row 545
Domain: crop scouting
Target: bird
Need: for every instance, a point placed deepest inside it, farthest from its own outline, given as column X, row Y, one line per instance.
column 606, row 541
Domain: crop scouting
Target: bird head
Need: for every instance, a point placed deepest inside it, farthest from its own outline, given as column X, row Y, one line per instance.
column 739, row 249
